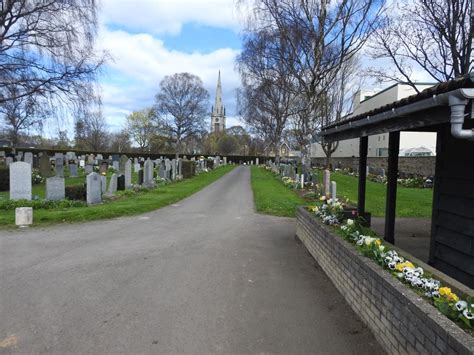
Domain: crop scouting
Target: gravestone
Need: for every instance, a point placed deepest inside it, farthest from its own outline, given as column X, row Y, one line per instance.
column 103, row 183
column 99, row 157
column 123, row 160
column 45, row 165
column 82, row 163
column 136, row 167
column 8, row 160
column 302, row 181
column 55, row 188
column 180, row 167
column 88, row 169
column 148, row 174
column 382, row 172
column 59, row 166
column 140, row 177
column 257, row 161
column 326, row 182
column 173, row 169
column 115, row 157
column 162, row 170
column 73, row 170
column 103, row 167
column 112, row 185
column 94, row 189
column 121, row 183
column 28, row 158
column 128, row 174
column 116, row 165
column 333, row 190
column 20, row 181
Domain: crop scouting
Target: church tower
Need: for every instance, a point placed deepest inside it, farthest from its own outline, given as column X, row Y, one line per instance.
column 218, row 110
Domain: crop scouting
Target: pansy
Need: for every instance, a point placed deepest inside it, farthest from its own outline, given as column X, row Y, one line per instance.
column 392, row 265
column 468, row 314
column 460, row 305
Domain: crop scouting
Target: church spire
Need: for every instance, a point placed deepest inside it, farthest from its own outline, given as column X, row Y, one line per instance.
column 218, row 110
column 218, row 107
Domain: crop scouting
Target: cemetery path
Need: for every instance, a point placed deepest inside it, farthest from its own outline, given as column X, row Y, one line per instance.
column 205, row 275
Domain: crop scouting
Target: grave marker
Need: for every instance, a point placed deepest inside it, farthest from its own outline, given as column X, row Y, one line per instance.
column 55, row 188
column 20, row 181
column 94, row 189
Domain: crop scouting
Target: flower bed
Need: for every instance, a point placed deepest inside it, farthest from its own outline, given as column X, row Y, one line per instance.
column 372, row 246
column 402, row 317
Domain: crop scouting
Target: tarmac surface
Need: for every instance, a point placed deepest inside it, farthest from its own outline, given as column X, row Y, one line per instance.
column 206, row 275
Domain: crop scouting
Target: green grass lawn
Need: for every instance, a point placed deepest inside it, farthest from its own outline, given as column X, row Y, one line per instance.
column 271, row 196
column 124, row 206
column 411, row 202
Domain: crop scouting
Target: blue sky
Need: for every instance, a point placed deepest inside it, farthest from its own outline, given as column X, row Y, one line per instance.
column 149, row 39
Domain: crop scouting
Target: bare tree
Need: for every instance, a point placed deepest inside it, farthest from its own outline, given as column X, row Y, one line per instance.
column 315, row 40
column 91, row 132
column 46, row 49
column 141, row 125
column 182, row 105
column 265, row 100
column 434, row 36
column 120, row 141
column 20, row 115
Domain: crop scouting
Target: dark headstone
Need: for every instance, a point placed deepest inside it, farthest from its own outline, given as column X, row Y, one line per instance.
column 140, row 177
column 121, row 183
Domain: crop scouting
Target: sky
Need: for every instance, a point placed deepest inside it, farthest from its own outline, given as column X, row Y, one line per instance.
column 149, row 39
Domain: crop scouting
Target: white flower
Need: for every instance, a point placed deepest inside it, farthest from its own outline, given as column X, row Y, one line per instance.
column 392, row 265
column 350, row 222
column 461, row 305
column 468, row 314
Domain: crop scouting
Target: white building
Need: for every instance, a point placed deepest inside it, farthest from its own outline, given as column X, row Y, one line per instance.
column 365, row 101
column 218, row 110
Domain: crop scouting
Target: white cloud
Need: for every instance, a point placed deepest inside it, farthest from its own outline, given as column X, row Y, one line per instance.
column 139, row 63
column 168, row 16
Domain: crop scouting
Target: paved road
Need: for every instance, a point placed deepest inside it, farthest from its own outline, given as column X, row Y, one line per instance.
column 205, row 275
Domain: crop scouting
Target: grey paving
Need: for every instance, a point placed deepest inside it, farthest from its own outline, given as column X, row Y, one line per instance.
column 207, row 275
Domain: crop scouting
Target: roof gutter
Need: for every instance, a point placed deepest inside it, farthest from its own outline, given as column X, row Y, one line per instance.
column 456, row 99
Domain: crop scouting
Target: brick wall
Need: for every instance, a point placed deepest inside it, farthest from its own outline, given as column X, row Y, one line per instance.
column 401, row 321
column 407, row 166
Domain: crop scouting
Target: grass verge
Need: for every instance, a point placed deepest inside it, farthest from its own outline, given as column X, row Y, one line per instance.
column 271, row 196
column 125, row 206
column 411, row 202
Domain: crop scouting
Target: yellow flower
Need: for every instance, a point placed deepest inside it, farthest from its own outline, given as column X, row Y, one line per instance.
column 378, row 242
column 444, row 291
column 453, row 297
column 313, row 208
column 407, row 264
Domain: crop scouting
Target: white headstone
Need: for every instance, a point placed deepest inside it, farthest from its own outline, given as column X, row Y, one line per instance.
column 28, row 158
column 148, row 173
column 103, row 183
column 333, row 190
column 326, row 182
column 112, row 185
column 55, row 188
column 23, row 216
column 302, row 180
column 94, row 189
column 20, row 181
column 128, row 174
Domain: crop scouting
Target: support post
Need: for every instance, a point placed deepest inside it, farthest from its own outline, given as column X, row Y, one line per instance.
column 363, row 146
column 391, row 200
